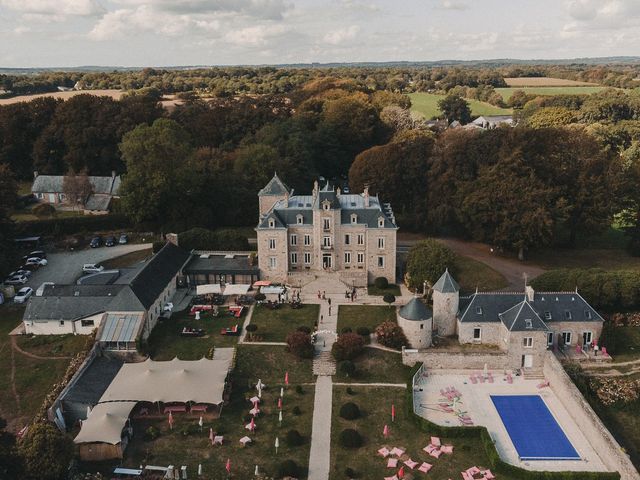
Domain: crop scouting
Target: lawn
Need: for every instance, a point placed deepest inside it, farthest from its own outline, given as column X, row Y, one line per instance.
column 623, row 343
column 25, row 215
column 375, row 405
column 166, row 343
column 377, row 366
column 252, row 362
column 275, row 325
column 33, row 378
column 605, row 258
column 471, row 274
column 426, row 105
column 370, row 316
column 128, row 259
column 380, row 292
column 520, row 82
column 507, row 92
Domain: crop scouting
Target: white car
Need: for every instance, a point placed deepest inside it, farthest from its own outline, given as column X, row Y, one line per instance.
column 35, row 260
column 26, row 273
column 40, row 290
column 92, row 268
column 168, row 307
column 16, row 280
column 23, row 295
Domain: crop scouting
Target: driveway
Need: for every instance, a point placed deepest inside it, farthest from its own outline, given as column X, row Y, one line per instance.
column 65, row 268
column 513, row 270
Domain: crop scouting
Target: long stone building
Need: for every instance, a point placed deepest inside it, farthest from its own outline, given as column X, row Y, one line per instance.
column 328, row 231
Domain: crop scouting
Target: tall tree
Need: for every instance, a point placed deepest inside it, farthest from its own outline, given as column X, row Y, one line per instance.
column 8, row 194
column 77, row 188
column 454, row 107
column 47, row 452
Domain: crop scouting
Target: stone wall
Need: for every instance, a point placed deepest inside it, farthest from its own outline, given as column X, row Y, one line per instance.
column 516, row 348
column 456, row 361
column 445, row 309
column 600, row 438
column 418, row 332
column 490, row 333
column 279, row 274
column 388, row 252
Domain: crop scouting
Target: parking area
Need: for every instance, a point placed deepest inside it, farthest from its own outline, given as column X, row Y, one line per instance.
column 64, row 268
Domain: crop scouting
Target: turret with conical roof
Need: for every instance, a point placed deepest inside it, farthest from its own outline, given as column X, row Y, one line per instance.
column 446, row 299
column 416, row 321
column 273, row 192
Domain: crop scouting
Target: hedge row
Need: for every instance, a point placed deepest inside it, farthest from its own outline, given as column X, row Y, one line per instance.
column 495, row 462
column 204, row 239
column 612, row 290
column 71, row 225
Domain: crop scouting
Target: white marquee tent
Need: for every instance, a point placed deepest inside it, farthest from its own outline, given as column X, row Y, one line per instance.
column 105, row 423
column 207, row 289
column 238, row 289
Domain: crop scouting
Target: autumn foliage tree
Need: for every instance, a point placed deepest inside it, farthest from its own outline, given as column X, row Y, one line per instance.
column 347, row 347
column 299, row 344
column 391, row 335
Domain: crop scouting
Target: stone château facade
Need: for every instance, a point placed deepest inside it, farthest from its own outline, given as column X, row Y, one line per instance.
column 327, row 231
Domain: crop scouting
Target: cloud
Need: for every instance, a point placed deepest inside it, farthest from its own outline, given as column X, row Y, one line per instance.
column 264, row 9
column 340, row 36
column 55, row 8
column 453, row 5
column 255, row 36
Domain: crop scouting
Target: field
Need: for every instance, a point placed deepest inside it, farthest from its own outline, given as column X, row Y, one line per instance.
column 545, row 82
column 115, row 94
column 426, row 105
column 507, row 92
column 472, row 274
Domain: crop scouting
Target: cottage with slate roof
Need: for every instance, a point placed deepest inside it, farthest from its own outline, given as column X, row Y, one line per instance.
column 327, row 231
column 523, row 325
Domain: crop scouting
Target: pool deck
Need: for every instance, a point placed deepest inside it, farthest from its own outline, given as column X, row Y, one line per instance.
column 477, row 404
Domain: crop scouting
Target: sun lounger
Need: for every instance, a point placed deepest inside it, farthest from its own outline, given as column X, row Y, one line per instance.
column 488, row 475
column 443, row 392
column 509, row 379
column 395, row 477
column 392, row 463
column 398, row 452
column 435, row 441
column 435, row 453
column 481, row 378
column 448, row 449
column 411, row 464
column 447, row 409
column 473, row 470
column 466, row 476
column 384, row 451
column 425, row 467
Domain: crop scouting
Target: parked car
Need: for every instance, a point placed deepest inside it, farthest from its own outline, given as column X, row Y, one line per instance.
column 110, row 241
column 40, row 290
column 30, row 266
column 16, row 280
column 92, row 268
column 95, row 242
column 35, row 254
column 23, row 295
column 124, row 239
column 40, row 261
column 22, row 271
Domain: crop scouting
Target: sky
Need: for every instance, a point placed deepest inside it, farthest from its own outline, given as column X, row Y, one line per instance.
column 67, row 33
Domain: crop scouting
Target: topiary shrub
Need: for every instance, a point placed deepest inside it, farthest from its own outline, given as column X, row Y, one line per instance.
column 347, row 368
column 381, row 283
column 299, row 344
column 299, row 390
column 350, row 411
column 347, row 347
column 363, row 331
column 391, row 335
column 294, row 439
column 296, row 410
column 350, row 438
column 389, row 298
column 288, row 468
column 346, row 330
column 304, row 329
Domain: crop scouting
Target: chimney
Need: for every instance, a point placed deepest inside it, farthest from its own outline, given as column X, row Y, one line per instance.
column 113, row 174
column 366, row 195
column 286, row 198
column 314, row 193
column 338, row 192
column 35, row 174
column 528, row 290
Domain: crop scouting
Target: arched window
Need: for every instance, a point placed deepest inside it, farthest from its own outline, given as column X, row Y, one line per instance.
column 380, row 222
column 272, row 223
column 299, row 219
column 354, row 218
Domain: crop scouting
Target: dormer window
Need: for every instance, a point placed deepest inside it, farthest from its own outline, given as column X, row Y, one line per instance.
column 528, row 323
column 299, row 219
column 567, row 314
column 380, row 222
column 479, row 310
column 354, row 218
column 272, row 223
column 587, row 314
column 326, row 205
column 547, row 315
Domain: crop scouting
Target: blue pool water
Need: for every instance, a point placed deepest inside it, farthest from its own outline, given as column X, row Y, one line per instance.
column 534, row 432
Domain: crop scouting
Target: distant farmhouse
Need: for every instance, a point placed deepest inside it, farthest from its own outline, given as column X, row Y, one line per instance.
column 327, row 231
column 522, row 325
column 49, row 189
column 489, row 122
column 128, row 301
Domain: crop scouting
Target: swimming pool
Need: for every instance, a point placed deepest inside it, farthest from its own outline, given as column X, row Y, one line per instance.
column 533, row 431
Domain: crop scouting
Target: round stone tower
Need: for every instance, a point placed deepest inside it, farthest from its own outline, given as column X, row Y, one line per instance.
column 446, row 298
column 416, row 321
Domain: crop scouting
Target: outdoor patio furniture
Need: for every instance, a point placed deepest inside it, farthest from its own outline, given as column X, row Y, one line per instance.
column 425, row 467
column 473, row 379
column 244, row 441
column 398, row 452
column 604, row 351
column 384, row 451
column 411, row 464
column 218, row 439
column 192, row 332
column 175, row 408
column 435, row 441
column 481, row 378
column 199, row 408
column 255, row 399
column 543, row 384
column 233, row 331
column 254, row 411
column 466, row 476
column 448, row 449
column 490, row 378
column 429, row 448
column 435, row 453
column 488, row 475
column 473, row 470
column 392, row 463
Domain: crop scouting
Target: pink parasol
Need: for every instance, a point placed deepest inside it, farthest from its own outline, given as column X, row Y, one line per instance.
column 286, row 378
column 211, row 436
column 280, row 403
column 170, row 420
column 385, row 431
column 252, row 424
column 228, row 465
column 393, row 412
column 401, row 472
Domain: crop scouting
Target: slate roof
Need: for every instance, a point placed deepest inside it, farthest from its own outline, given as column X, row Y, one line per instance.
column 274, row 187
column 446, row 283
column 522, row 317
column 149, row 283
column 107, row 185
column 415, row 310
column 549, row 306
column 220, row 264
column 98, row 202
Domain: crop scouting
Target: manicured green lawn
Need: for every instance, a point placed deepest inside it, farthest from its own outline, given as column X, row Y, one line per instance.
column 370, row 316
column 471, row 274
column 426, row 105
column 275, row 325
column 166, row 343
column 508, row 91
column 623, row 343
column 269, row 363
column 377, row 366
column 375, row 404
column 392, row 289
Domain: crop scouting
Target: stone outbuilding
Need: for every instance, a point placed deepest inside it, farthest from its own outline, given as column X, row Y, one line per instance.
column 416, row 320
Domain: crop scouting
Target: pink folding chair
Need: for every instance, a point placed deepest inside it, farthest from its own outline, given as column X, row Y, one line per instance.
column 488, row 475
column 392, row 463
column 448, row 449
column 384, row 451
column 435, row 441
column 410, row 463
column 425, row 467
